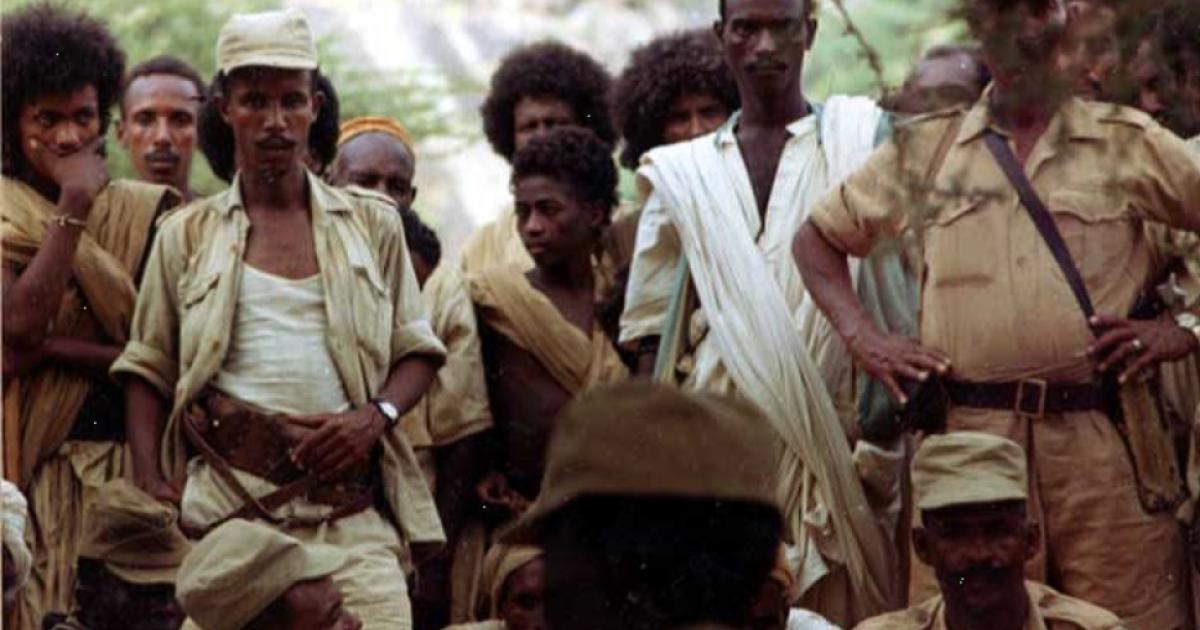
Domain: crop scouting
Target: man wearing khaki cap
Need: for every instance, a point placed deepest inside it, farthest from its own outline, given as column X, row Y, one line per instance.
column 280, row 334
column 246, row 576
column 657, row 510
column 971, row 489
column 127, row 564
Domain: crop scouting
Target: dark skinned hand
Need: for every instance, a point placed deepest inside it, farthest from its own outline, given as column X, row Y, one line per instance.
column 891, row 359
column 80, row 175
column 495, row 493
column 1132, row 346
column 161, row 489
column 340, row 442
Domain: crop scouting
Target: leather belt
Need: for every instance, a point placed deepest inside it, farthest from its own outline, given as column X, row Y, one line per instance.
column 1029, row 397
column 231, row 435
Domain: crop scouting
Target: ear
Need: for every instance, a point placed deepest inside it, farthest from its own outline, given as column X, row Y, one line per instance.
column 920, row 540
column 811, row 33
column 1033, row 539
column 318, row 101
column 120, row 129
column 222, row 103
column 597, row 216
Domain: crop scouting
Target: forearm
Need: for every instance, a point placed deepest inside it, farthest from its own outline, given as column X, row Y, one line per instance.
column 826, row 275
column 145, row 416
column 32, row 299
column 408, row 381
column 81, row 354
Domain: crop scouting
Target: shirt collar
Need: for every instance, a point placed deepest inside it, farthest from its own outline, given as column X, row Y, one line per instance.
column 726, row 134
column 1080, row 121
column 322, row 196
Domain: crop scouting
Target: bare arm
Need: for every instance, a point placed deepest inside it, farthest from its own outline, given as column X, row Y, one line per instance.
column 885, row 357
column 145, row 417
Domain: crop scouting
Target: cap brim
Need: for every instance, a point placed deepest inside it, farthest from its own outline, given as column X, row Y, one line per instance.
column 321, row 562
column 281, row 61
column 144, row 575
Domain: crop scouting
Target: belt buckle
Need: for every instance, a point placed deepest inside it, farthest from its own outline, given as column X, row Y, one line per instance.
column 1043, row 389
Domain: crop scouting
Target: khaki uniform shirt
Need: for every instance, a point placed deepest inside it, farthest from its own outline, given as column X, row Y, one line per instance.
column 993, row 298
column 1048, row 610
column 185, row 312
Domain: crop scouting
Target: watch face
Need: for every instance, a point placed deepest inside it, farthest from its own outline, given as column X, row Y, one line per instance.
column 1188, row 320
column 388, row 409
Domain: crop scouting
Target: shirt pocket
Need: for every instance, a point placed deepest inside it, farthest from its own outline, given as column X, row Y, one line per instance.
column 373, row 312
column 961, row 246
column 196, row 314
column 1097, row 229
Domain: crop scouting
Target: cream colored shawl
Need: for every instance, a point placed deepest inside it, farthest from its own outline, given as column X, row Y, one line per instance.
column 762, row 345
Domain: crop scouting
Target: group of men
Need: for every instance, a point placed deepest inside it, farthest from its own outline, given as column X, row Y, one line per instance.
column 933, row 363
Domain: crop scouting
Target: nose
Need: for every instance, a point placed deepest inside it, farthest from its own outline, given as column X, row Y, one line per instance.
column 68, row 137
column 766, row 41
column 162, row 132
column 274, row 120
column 534, row 224
column 696, row 126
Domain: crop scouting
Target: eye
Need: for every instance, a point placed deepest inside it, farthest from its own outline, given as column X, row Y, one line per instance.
column 181, row 119
column 47, row 119
column 295, row 100
column 143, row 118
column 85, row 116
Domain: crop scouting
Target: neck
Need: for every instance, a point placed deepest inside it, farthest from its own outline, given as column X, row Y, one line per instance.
column 1010, row 616
column 774, row 110
column 575, row 273
column 1021, row 103
column 276, row 190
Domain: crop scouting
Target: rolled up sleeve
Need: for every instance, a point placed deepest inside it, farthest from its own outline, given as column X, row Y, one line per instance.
column 652, row 273
column 153, row 349
column 864, row 208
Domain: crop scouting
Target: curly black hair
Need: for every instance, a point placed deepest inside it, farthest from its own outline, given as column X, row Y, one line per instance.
column 216, row 137
column 547, row 69
column 420, row 238
column 810, row 7
column 162, row 64
column 575, row 157
column 45, row 49
column 659, row 72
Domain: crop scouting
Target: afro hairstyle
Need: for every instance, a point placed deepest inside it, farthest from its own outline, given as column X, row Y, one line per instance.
column 659, row 72
column 45, row 49
column 547, row 69
column 574, row 157
column 216, row 136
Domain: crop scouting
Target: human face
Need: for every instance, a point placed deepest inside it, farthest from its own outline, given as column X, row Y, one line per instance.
column 522, row 608
column 379, row 162
column 61, row 124
column 554, row 226
column 692, row 116
column 1020, row 39
column 940, row 83
column 764, row 43
column 1091, row 51
column 317, row 605
column 158, row 127
column 535, row 115
column 978, row 552
column 115, row 604
column 270, row 111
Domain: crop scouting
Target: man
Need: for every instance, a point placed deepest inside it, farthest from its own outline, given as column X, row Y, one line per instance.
column 971, row 490
column 513, row 598
column 377, row 153
column 281, row 334
column 946, row 76
column 536, row 88
column 127, row 563
column 658, row 510
column 246, row 576
column 73, row 248
column 543, row 339
column 1101, row 169
column 160, row 106
column 14, row 520
column 717, row 217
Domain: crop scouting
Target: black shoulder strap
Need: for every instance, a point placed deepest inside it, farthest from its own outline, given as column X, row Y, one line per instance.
column 1041, row 218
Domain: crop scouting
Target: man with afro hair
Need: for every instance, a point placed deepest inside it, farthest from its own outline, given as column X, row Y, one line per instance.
column 73, row 244
column 541, row 329
column 536, row 88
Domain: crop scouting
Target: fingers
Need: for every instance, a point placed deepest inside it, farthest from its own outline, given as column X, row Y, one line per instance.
column 1144, row 361
column 1109, row 342
column 1127, row 347
column 313, row 446
column 893, row 388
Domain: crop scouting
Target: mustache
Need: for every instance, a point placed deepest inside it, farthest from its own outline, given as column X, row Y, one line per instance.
column 162, row 155
column 275, row 142
column 979, row 573
column 766, row 65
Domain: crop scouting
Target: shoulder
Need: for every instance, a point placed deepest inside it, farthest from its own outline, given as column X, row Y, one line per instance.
column 1071, row 612
column 1109, row 114
column 375, row 211
column 198, row 214
column 143, row 192
column 918, row 617
column 932, row 123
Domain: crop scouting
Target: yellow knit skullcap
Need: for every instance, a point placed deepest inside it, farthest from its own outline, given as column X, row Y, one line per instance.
column 366, row 124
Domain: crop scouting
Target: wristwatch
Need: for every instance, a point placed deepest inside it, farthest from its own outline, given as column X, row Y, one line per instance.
column 1189, row 322
column 390, row 413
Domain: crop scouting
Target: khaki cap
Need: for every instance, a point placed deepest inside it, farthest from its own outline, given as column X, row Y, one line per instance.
column 237, row 570
column 500, row 562
column 965, row 467
column 643, row 439
column 274, row 39
column 136, row 536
